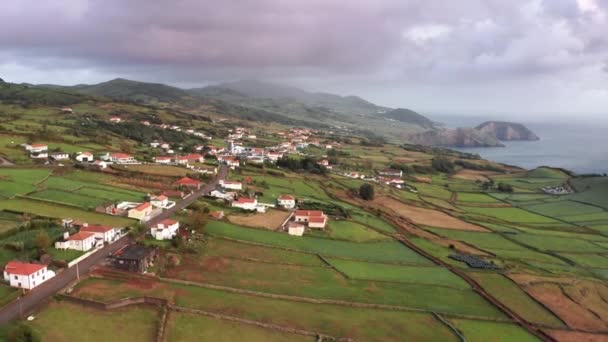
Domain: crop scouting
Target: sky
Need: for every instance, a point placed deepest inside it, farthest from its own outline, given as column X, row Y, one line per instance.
column 520, row 58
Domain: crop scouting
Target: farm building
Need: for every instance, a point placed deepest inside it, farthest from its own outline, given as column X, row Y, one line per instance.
column 287, row 201
column 121, row 158
column 161, row 201
column 391, row 173
column 60, row 156
column 134, row 258
column 163, row 160
column 25, row 275
column 165, row 230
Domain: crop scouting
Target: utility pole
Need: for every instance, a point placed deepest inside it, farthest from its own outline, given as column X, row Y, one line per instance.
column 77, row 272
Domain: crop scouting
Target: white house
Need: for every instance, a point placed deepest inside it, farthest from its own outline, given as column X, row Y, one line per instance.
column 162, row 160
column 295, row 228
column 245, row 203
column 103, row 233
column 101, row 164
column 60, row 156
column 81, row 241
column 232, row 185
column 25, row 275
column 154, row 144
column 121, row 158
column 165, row 230
column 85, row 157
column 314, row 218
column 222, row 195
column 161, row 201
column 141, row 211
column 287, row 201
column 37, row 148
column 115, row 119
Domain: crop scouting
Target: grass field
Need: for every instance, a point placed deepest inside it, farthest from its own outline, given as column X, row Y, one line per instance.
column 376, row 251
column 69, row 198
column 476, row 198
column 62, row 321
column 20, row 181
column 61, row 211
column 591, row 190
column 490, row 331
column 359, row 323
column 161, row 170
column 232, row 249
column 352, row 231
column 588, row 260
column 397, row 273
column 564, row 208
column 511, row 215
column 190, row 327
column 560, row 244
column 373, row 221
column 515, row 298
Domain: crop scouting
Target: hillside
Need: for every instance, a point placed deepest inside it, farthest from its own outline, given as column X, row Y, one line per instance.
column 409, row 116
column 507, row 131
column 457, row 137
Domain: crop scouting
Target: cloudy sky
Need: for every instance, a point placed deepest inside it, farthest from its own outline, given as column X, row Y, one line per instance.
column 519, row 57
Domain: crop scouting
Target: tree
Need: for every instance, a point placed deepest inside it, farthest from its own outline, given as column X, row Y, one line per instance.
column 366, row 191
column 504, row 187
column 196, row 220
column 442, row 164
column 21, row 332
column 42, row 241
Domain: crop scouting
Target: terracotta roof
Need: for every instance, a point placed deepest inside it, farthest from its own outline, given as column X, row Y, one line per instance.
column 287, row 198
column 193, row 156
column 244, row 200
column 86, row 154
column 22, row 268
column 142, row 206
column 168, row 222
column 81, row 235
column 162, row 158
column 96, row 228
column 188, row 181
column 39, row 145
column 159, row 198
column 120, row 155
column 310, row 213
column 316, row 219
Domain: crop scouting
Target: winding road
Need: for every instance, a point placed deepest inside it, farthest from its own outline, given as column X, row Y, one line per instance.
column 28, row 303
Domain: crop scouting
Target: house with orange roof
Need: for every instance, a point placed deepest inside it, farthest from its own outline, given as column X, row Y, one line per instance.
column 189, row 183
column 101, row 232
column 26, row 275
column 81, row 241
column 314, row 218
column 245, row 203
column 141, row 211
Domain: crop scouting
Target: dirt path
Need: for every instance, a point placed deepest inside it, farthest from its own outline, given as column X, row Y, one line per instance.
column 5, row 162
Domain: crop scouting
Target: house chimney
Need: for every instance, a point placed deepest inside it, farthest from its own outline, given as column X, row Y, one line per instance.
column 66, row 235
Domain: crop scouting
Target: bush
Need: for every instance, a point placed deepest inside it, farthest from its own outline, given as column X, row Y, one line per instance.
column 21, row 332
column 442, row 164
column 503, row 187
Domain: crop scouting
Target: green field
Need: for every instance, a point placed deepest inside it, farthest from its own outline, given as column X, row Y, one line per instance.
column 190, row 327
column 20, row 181
column 476, row 198
column 560, row 244
column 396, row 273
column 511, row 215
column 591, row 190
column 62, row 321
column 373, row 221
column 352, row 231
column 231, row 249
column 68, row 198
column 563, row 208
column 478, row 331
column 373, row 251
column 48, row 209
column 588, row 260
column 515, row 298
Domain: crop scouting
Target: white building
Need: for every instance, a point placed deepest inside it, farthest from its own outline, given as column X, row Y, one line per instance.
column 161, row 201
column 37, row 148
column 121, row 158
column 60, row 156
column 165, row 230
column 232, row 185
column 162, row 160
column 287, row 201
column 296, row 229
column 314, row 218
column 103, row 233
column 25, row 275
column 245, row 203
column 81, row 241
column 85, row 157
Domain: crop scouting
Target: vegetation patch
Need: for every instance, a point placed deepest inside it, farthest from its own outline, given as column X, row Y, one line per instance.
column 491, row 331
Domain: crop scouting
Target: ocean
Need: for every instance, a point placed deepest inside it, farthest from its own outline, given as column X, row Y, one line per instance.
column 576, row 145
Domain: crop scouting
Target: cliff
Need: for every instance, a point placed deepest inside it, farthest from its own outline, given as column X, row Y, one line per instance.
column 507, row 131
column 458, row 137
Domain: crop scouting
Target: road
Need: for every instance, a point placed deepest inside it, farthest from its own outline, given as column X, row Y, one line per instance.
column 221, row 175
column 28, row 303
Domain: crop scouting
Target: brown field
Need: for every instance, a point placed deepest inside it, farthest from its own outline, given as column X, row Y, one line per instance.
column 574, row 336
column 581, row 304
column 473, row 175
column 272, row 219
column 422, row 179
column 427, row 217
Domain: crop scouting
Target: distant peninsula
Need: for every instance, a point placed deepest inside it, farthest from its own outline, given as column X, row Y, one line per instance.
column 508, row 131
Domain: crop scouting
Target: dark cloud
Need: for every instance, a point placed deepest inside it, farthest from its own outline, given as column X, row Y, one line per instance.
column 385, row 43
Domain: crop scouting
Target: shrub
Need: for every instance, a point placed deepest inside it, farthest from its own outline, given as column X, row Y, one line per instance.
column 366, row 191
